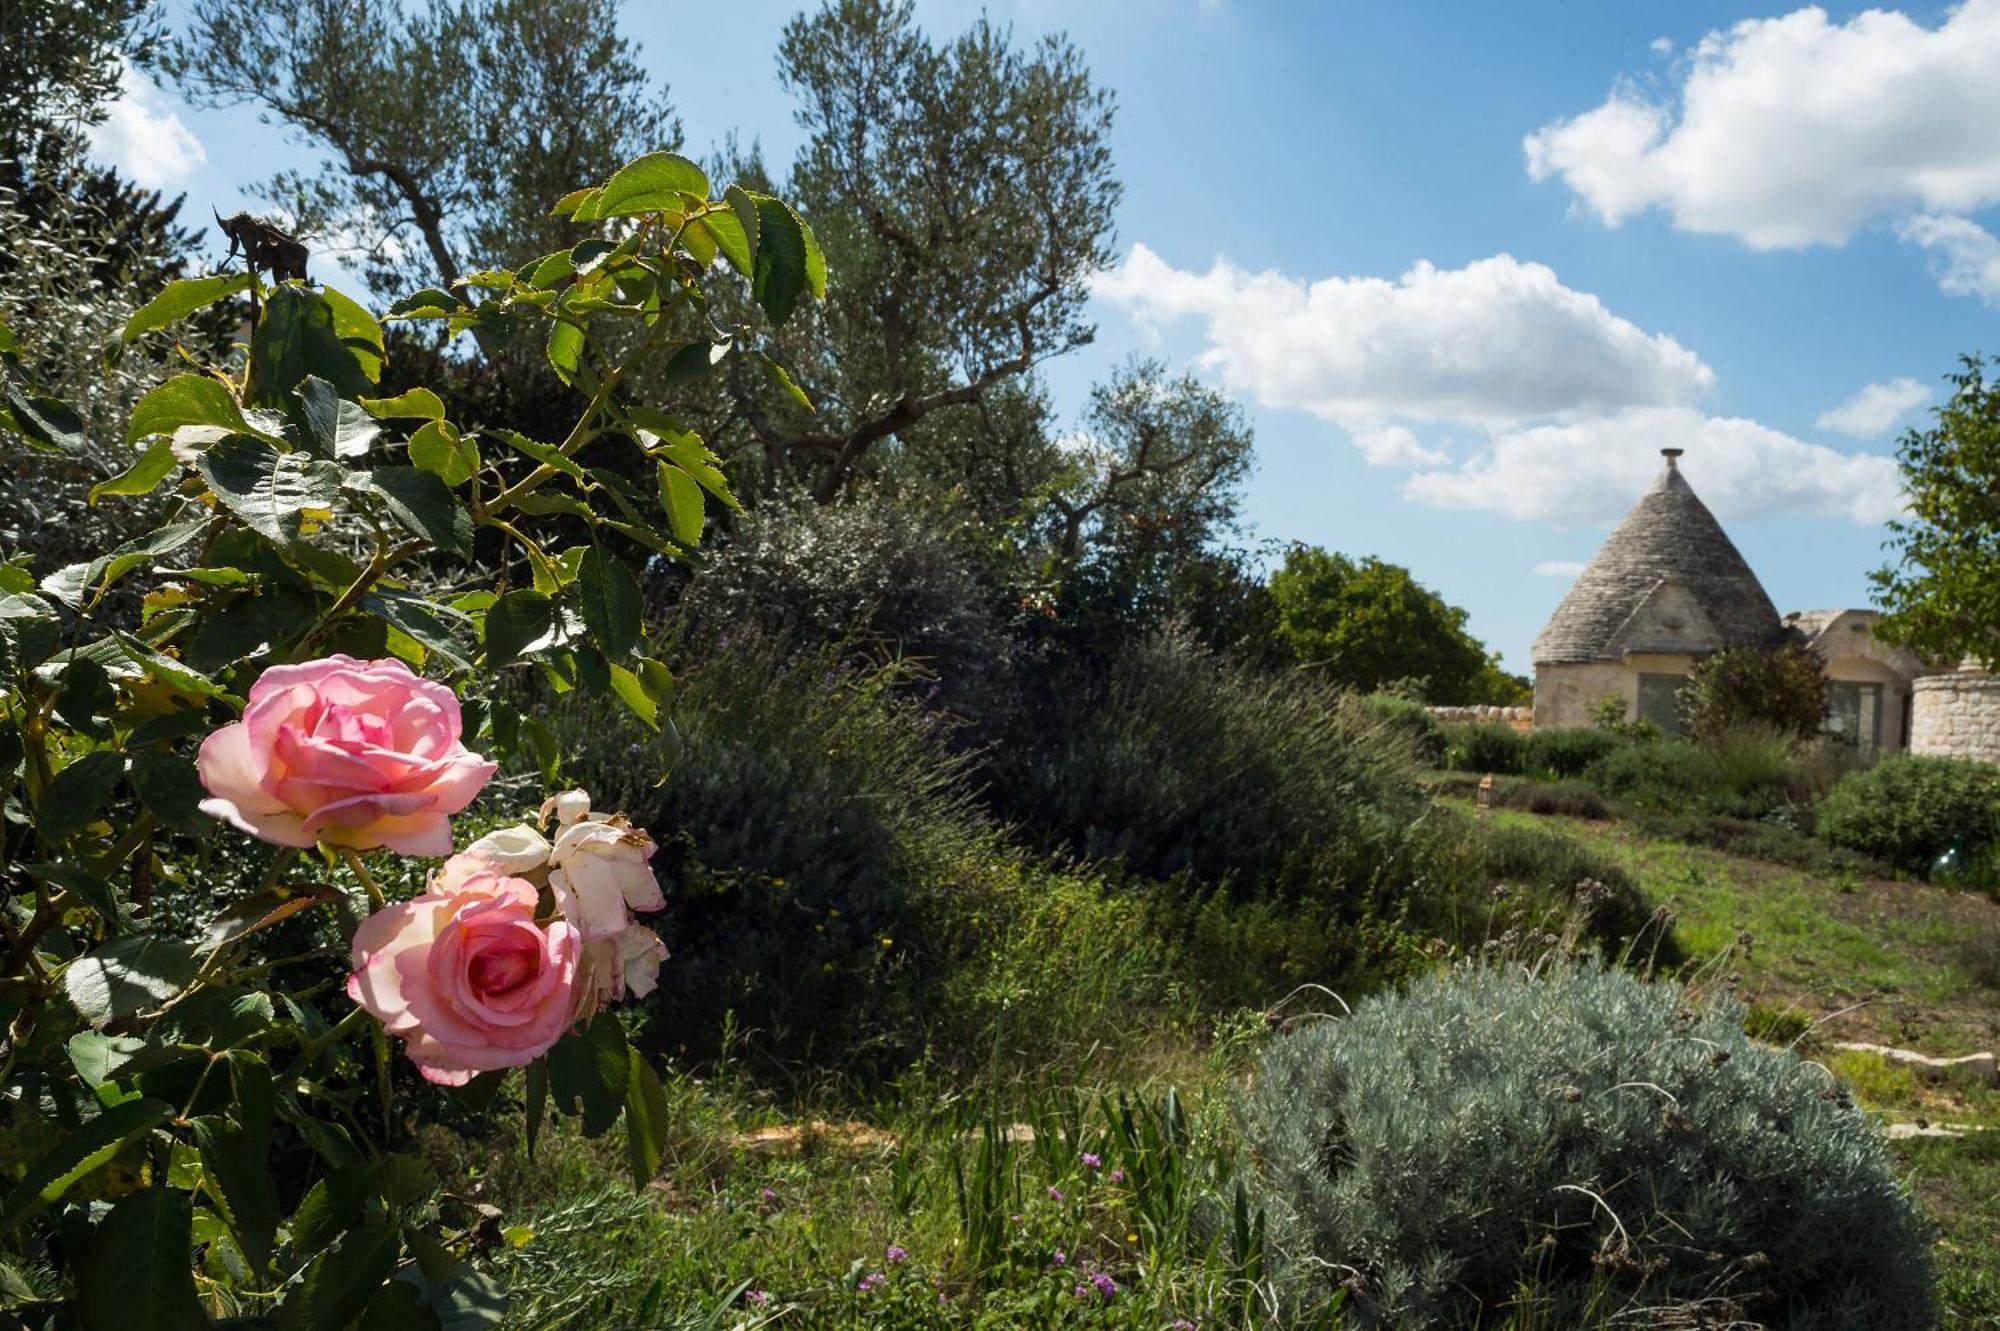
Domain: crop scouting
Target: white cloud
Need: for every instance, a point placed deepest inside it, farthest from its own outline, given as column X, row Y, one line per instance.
column 1496, row 342
column 1590, row 471
column 1965, row 257
column 1661, row 46
column 1558, row 568
column 1396, row 446
column 1876, row 409
column 144, row 137
column 1795, row 131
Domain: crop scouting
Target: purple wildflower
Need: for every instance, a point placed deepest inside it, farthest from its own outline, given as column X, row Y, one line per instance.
column 756, row 1298
column 1106, row 1286
column 1117, row 1176
column 1055, row 1193
column 1091, row 1160
column 1060, row 1258
column 874, row 1280
column 895, row 1255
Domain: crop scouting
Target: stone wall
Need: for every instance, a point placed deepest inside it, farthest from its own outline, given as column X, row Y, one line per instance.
column 1521, row 718
column 1956, row 715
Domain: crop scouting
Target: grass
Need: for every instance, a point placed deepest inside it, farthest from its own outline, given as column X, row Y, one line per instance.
column 1826, row 959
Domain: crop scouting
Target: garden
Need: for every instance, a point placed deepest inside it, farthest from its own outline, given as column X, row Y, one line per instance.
column 615, row 767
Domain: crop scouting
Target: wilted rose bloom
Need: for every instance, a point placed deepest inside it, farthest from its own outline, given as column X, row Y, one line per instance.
column 599, row 873
column 351, row 753
column 515, row 850
column 466, row 977
column 626, row 965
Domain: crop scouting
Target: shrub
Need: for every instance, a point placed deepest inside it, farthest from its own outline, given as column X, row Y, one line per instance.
column 1783, row 690
column 1661, row 773
column 1485, row 747
column 1583, row 1136
column 835, row 887
column 1573, row 799
column 1414, row 718
column 1190, row 765
column 1910, row 809
column 1567, row 752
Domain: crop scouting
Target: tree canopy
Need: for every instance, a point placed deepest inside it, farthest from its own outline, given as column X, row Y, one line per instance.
column 1943, row 590
column 1370, row 624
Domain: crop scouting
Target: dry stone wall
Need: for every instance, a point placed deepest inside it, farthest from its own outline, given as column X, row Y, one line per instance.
column 1956, row 715
column 1521, row 718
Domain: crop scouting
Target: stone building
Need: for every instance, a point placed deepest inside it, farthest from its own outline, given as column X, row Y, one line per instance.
column 1667, row 588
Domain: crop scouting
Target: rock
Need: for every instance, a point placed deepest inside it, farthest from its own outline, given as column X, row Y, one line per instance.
column 1980, row 1066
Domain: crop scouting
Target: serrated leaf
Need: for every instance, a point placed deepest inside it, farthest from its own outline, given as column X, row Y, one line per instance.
column 692, row 363
column 568, row 204
column 424, row 621
column 126, row 975
column 340, row 1282
column 782, row 268
column 46, row 423
column 438, row 447
column 514, row 623
column 185, row 399
column 136, row 1275
column 143, row 476
column 328, row 424
column 646, row 1121
column 169, row 785
column 546, row 454
column 84, row 1148
column 421, row 504
column 429, row 302
column 633, row 693
column 233, row 1157
column 680, row 496
column 85, row 886
column 79, row 794
column 731, row 241
column 417, row 404
column 299, row 335
column 358, row 332
column 786, row 382
column 588, row 1073
column 613, row 609
column 269, row 490
column 181, row 299
column 650, row 184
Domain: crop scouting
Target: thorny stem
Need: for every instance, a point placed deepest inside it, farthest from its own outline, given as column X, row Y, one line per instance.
column 376, row 899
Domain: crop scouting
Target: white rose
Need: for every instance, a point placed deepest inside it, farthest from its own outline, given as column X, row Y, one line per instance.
column 511, row 850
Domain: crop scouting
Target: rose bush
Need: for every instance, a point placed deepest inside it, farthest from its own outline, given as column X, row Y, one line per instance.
column 203, row 1122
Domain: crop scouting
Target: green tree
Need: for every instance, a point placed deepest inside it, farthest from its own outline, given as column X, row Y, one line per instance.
column 1369, row 624
column 449, row 127
column 1785, row 689
column 1943, row 590
column 60, row 62
column 964, row 194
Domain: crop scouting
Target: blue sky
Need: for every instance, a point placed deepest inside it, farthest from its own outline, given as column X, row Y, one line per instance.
column 1468, row 267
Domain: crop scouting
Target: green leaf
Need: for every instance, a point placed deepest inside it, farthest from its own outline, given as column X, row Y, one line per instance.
column 634, row 695
column 439, row 447
column 588, row 1072
column 782, row 269
column 169, row 785
column 78, row 794
column 82, row 1150
column 650, row 184
column 417, row 404
column 143, row 476
column 680, row 496
column 233, row 1157
column 340, row 1282
column 358, row 332
column 85, row 886
column 269, row 490
column 398, row 1306
column 646, row 1121
column 731, row 240
column 137, row 1275
column 127, row 975
column 568, row 204
column 536, row 1101
column 565, row 346
column 430, row 302
column 330, row 425
column 691, row 363
column 786, row 382
column 185, row 399
column 52, row 426
column 181, row 299
column 514, row 623
column 546, row 454
column 420, row 502
column 612, row 607
column 299, row 335
column 99, row 1058
column 330, row 1208
column 424, row 621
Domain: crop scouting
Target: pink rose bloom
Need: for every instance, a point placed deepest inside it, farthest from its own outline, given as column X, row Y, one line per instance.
column 352, row 753
column 466, row 977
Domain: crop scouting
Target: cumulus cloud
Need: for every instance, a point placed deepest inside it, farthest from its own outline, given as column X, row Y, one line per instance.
column 1965, row 257
column 1558, row 568
column 1876, row 409
column 1590, row 471
column 1496, row 342
column 1795, row 131
column 144, row 137
column 1396, row 446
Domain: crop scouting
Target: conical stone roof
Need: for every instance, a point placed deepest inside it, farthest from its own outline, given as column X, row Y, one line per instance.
column 1668, row 543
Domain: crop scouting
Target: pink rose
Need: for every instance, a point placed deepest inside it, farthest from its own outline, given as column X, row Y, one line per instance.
column 466, row 976
column 352, row 753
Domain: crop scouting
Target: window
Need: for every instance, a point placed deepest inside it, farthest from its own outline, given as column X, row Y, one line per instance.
column 1854, row 712
column 1659, row 701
